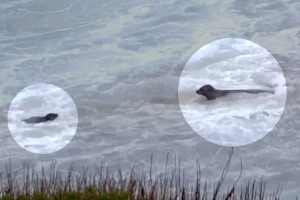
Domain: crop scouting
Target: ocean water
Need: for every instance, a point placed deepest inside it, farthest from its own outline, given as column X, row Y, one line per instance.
column 125, row 64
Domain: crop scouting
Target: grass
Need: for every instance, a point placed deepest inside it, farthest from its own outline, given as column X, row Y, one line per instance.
column 134, row 185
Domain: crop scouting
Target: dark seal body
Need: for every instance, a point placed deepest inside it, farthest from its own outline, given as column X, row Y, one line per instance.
column 211, row 93
column 39, row 119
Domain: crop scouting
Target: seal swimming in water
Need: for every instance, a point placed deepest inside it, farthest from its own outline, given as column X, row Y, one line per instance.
column 211, row 93
column 39, row 119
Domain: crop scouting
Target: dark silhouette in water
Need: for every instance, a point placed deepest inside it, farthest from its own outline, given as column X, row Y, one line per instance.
column 211, row 93
column 38, row 119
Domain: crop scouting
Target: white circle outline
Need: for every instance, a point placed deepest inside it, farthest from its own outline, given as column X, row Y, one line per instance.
column 74, row 127
column 188, row 62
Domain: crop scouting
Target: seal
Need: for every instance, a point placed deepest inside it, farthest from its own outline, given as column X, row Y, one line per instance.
column 39, row 119
column 212, row 93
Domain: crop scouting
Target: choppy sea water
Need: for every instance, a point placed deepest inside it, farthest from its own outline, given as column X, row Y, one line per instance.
column 121, row 63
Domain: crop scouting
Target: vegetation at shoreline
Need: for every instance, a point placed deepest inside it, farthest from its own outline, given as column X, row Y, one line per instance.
column 135, row 185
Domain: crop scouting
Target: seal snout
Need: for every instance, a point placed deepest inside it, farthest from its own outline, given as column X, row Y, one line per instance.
column 199, row 91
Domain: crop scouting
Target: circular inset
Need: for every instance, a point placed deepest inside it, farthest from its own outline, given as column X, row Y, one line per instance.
column 47, row 136
column 238, row 118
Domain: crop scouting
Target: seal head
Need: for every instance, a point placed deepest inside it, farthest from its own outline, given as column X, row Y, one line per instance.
column 209, row 92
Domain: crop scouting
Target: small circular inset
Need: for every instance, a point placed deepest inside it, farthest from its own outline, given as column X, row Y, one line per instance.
column 232, row 92
column 42, row 118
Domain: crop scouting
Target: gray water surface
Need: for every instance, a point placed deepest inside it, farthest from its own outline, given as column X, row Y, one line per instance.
column 121, row 61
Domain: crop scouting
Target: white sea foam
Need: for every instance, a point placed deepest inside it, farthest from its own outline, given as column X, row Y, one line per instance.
column 39, row 100
column 237, row 119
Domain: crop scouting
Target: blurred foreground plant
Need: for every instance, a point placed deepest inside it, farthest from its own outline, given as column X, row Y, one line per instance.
column 135, row 185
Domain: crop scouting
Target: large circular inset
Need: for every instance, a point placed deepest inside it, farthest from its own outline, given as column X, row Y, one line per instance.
column 240, row 118
column 39, row 100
